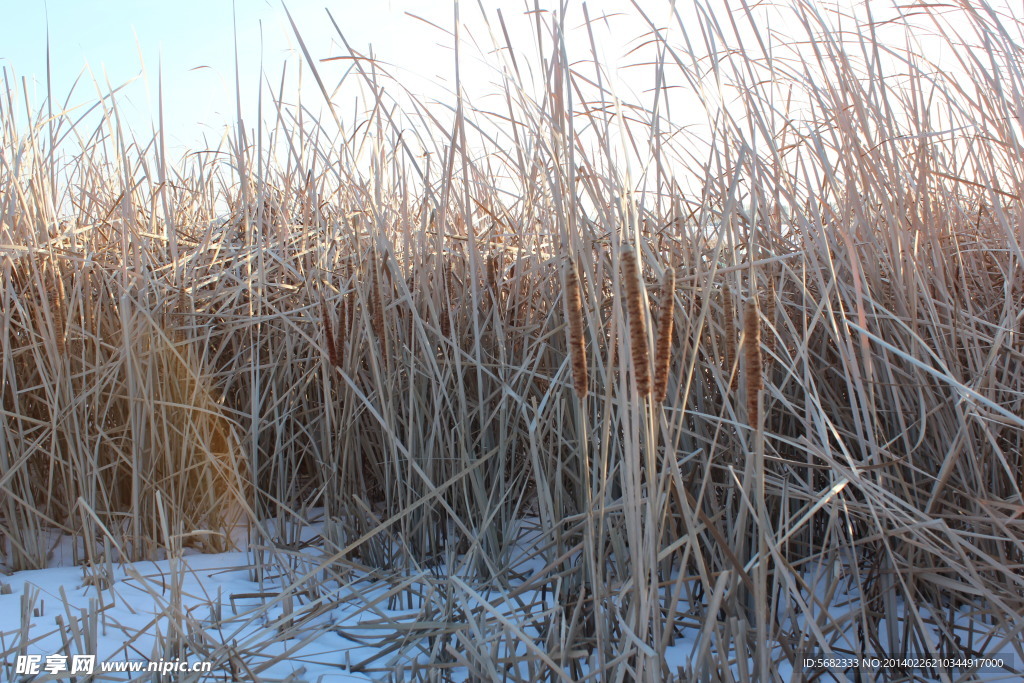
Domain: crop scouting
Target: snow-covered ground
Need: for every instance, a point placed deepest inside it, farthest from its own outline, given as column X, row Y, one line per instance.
column 336, row 623
column 155, row 610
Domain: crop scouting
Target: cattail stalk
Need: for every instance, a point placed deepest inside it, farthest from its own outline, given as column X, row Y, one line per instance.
column 637, row 321
column 729, row 313
column 752, row 346
column 663, row 343
column 577, row 345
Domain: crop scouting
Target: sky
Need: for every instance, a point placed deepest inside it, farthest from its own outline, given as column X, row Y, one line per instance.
column 189, row 46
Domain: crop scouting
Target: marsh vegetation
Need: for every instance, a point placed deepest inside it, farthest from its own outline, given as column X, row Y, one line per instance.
column 576, row 384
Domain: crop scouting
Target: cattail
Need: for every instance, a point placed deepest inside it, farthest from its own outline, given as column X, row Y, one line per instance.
column 577, row 345
column 494, row 267
column 377, row 309
column 57, row 309
column 769, row 315
column 730, row 334
column 344, row 323
column 446, row 294
column 180, row 385
column 514, row 287
column 637, row 323
column 54, row 293
column 332, row 349
column 182, row 317
column 663, row 343
column 752, row 347
column 613, row 346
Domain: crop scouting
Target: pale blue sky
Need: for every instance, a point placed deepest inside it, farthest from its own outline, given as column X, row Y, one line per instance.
column 110, row 42
column 192, row 43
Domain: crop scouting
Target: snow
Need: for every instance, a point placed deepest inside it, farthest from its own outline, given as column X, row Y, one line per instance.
column 139, row 604
column 338, row 625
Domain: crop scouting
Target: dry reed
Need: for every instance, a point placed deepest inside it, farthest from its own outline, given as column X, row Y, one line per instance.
column 437, row 471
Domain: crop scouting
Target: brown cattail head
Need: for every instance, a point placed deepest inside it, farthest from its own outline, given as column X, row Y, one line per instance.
column 52, row 287
column 494, row 268
column 613, row 345
column 577, row 345
column 663, row 343
column 637, row 321
column 729, row 314
column 769, row 315
column 446, row 297
column 345, row 312
column 332, row 349
column 752, row 349
column 183, row 317
column 56, row 296
column 377, row 308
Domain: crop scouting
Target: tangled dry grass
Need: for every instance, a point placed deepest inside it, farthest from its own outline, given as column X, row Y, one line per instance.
column 387, row 340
